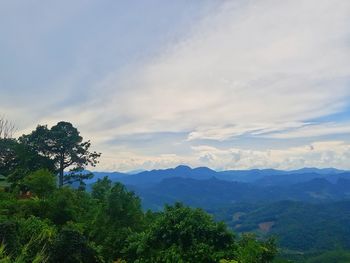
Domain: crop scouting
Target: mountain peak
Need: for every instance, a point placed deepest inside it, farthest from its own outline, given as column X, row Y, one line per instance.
column 183, row 168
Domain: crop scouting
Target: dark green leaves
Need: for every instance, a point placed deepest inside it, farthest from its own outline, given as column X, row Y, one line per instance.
column 65, row 147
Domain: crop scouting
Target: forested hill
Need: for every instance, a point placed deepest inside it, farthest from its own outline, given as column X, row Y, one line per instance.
column 300, row 227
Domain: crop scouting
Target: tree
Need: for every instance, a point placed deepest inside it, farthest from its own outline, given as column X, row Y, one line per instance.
column 101, row 189
column 72, row 246
column 8, row 160
column 64, row 145
column 7, row 128
column 182, row 234
column 250, row 250
column 119, row 216
column 63, row 206
column 41, row 182
column 18, row 160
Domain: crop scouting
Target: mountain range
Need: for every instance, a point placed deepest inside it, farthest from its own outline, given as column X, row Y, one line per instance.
column 204, row 187
column 307, row 210
column 264, row 176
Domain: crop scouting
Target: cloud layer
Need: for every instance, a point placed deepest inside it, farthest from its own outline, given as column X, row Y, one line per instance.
column 267, row 70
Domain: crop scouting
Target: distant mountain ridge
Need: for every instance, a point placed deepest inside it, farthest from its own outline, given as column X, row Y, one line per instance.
column 204, row 187
column 263, row 176
column 214, row 192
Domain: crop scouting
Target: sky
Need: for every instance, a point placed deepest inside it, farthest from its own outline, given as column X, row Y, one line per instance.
column 228, row 84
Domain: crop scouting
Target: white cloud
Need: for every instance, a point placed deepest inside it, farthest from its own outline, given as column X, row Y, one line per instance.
column 313, row 130
column 321, row 154
column 317, row 154
column 224, row 133
column 262, row 67
column 259, row 66
column 127, row 161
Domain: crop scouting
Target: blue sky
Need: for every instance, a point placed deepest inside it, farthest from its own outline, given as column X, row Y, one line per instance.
column 225, row 84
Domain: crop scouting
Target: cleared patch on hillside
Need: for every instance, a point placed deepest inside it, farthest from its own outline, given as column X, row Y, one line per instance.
column 266, row 226
column 237, row 216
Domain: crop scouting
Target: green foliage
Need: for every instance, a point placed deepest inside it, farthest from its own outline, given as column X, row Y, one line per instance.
column 7, row 155
column 101, row 189
column 37, row 235
column 119, row 216
column 63, row 206
column 25, row 241
column 8, row 203
column 299, row 226
column 21, row 258
column 17, row 160
column 228, row 261
column 64, row 146
column 78, row 175
column 251, row 251
column 182, row 234
column 9, row 236
column 72, row 246
column 41, row 182
column 123, row 207
column 4, row 258
column 71, row 226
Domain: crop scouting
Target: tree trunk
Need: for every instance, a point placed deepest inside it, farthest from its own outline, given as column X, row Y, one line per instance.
column 60, row 178
column 61, row 172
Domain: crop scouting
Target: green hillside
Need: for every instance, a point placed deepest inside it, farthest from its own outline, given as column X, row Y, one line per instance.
column 301, row 229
